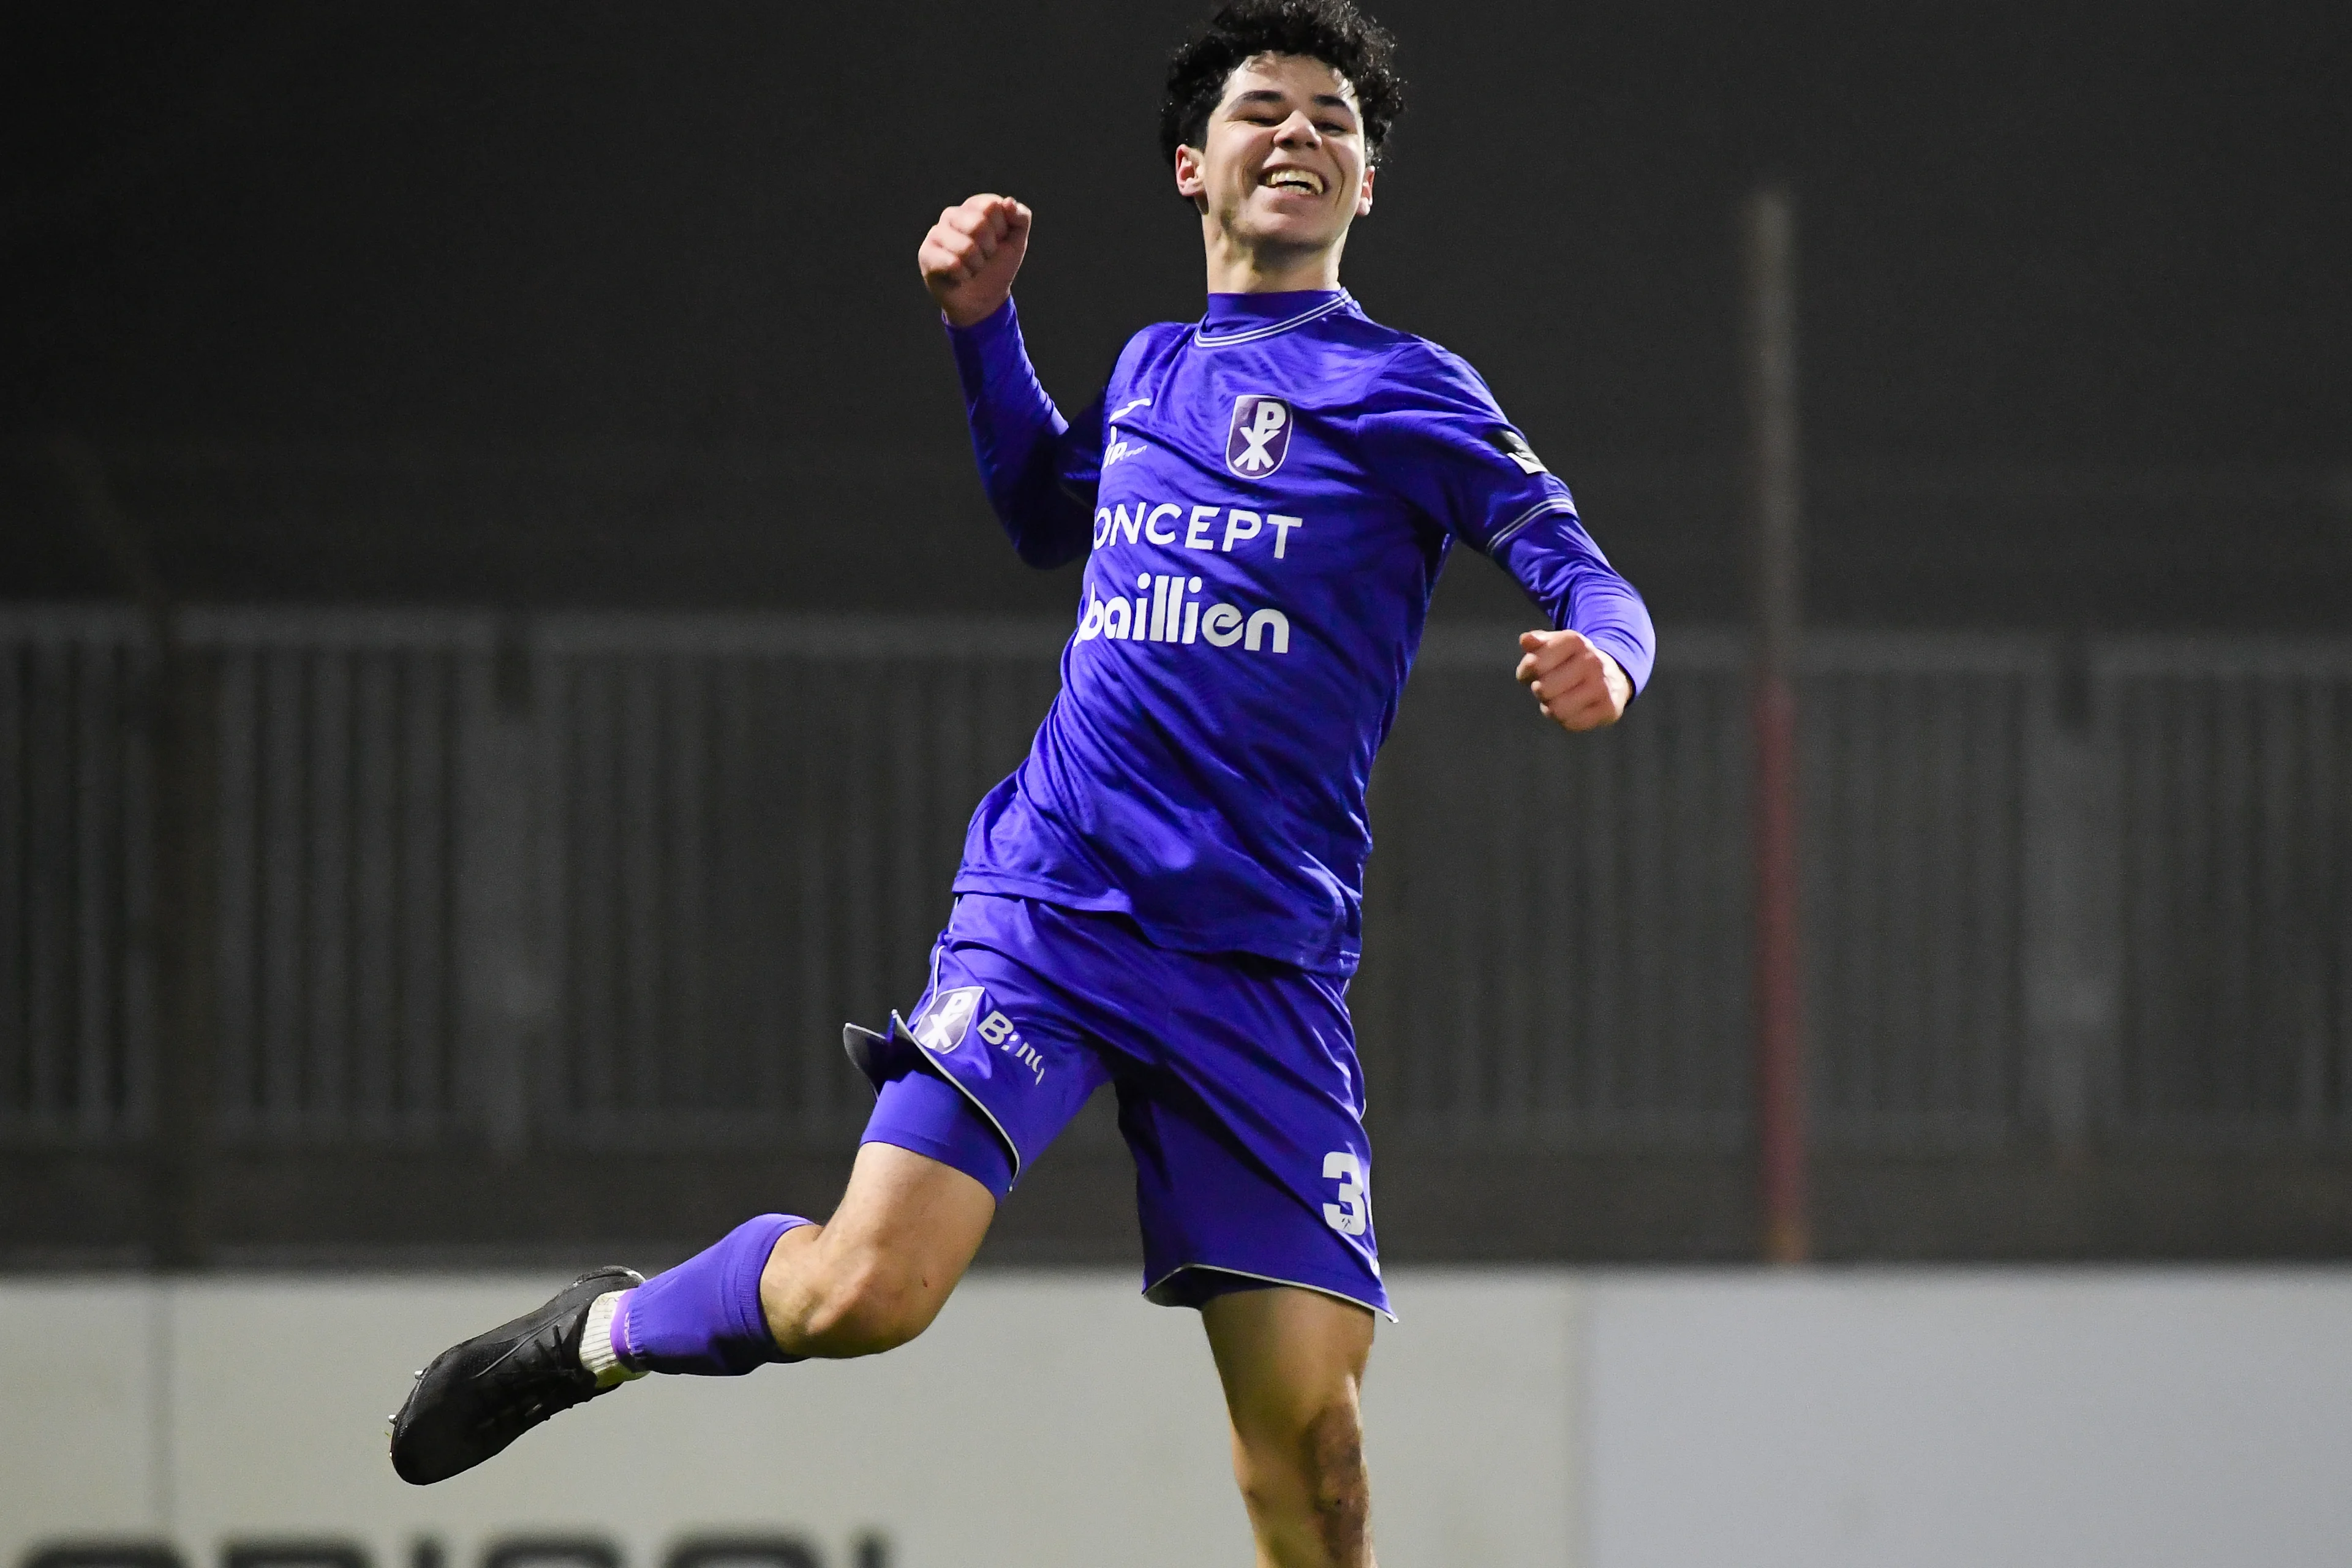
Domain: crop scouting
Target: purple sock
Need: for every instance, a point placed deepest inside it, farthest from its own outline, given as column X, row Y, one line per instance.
column 704, row 1316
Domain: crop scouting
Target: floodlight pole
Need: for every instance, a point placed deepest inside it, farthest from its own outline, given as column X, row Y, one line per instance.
column 1769, row 237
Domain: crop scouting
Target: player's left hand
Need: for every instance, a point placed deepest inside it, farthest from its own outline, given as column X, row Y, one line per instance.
column 1576, row 686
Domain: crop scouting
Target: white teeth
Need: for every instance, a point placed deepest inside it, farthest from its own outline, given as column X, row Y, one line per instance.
column 1295, row 180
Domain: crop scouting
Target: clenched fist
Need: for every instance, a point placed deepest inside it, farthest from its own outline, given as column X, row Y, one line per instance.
column 1576, row 686
column 971, row 255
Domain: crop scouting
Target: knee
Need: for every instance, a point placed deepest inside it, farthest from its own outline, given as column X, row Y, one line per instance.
column 1315, row 1468
column 864, row 1304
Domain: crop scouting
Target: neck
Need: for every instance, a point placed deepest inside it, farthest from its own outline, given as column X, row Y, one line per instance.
column 1236, row 266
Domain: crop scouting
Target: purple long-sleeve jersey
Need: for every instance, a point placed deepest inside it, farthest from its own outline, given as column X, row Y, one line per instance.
column 1267, row 495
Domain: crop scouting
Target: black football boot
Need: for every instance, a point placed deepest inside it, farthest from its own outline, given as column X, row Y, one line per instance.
column 479, row 1396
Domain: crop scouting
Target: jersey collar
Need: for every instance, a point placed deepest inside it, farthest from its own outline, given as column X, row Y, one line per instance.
column 1247, row 317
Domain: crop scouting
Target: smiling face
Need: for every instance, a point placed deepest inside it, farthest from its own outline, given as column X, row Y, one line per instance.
column 1281, row 173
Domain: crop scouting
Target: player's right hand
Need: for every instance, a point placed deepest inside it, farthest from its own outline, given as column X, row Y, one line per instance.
column 971, row 255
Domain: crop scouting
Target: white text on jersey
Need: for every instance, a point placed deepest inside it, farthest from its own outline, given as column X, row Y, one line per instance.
column 1196, row 526
column 1164, row 610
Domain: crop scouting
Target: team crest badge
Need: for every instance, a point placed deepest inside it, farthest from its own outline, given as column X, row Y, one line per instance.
column 942, row 1025
column 1260, row 436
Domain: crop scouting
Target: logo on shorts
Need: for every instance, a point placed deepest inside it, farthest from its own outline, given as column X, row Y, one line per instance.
column 942, row 1025
column 1260, row 435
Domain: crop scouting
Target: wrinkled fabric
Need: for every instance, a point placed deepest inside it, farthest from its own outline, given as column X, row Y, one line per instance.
column 1264, row 501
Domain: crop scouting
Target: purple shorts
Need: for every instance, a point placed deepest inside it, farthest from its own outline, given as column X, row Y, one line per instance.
column 1238, row 1090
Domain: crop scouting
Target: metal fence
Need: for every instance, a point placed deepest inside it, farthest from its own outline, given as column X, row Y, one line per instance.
column 77, row 971
column 1561, row 926
column 2229, row 783
column 604, row 879
column 612, row 880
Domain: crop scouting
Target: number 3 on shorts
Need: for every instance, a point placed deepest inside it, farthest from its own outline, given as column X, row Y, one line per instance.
column 1353, row 1215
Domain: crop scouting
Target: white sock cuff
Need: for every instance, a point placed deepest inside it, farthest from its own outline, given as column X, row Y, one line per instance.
column 596, row 1353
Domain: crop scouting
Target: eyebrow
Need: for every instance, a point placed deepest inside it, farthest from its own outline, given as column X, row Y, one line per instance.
column 1267, row 95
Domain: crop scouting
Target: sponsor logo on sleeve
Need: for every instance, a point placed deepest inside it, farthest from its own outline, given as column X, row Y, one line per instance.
column 1514, row 446
column 1259, row 438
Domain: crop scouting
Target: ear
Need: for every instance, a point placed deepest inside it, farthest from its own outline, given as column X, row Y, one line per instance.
column 1191, row 182
column 1364, row 192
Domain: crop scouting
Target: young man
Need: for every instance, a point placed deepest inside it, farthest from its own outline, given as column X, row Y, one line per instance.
column 1167, row 895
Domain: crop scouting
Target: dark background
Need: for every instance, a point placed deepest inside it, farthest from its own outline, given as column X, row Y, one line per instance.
column 534, row 307
column 580, row 304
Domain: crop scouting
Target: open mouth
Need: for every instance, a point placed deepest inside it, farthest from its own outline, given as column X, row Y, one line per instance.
column 1303, row 181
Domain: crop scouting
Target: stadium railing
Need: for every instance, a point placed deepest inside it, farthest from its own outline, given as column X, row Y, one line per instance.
column 602, row 880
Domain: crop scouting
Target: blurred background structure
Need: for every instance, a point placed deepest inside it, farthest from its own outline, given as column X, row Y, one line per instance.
column 501, row 636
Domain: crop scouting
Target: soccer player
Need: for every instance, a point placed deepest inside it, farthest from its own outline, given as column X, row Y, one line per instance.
column 1167, row 895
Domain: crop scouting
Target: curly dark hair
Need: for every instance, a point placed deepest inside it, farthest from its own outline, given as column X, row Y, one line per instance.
column 1332, row 31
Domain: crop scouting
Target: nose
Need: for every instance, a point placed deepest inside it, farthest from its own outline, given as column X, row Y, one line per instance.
column 1298, row 131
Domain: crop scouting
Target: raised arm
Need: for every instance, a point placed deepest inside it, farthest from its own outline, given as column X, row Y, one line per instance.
column 1450, row 450
column 1039, row 469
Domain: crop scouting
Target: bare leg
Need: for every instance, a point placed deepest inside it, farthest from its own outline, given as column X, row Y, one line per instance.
column 875, row 1275
column 1292, row 1362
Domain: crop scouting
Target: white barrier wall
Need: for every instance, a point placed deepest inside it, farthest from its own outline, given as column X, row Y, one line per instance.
column 2073, row 1419
column 1047, row 1419
column 1944, row 1419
